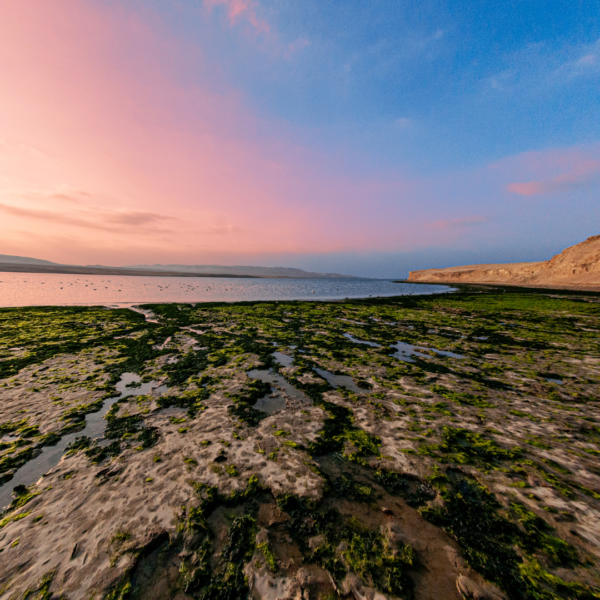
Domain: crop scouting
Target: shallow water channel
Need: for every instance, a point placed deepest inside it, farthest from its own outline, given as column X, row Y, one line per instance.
column 340, row 381
column 277, row 399
column 95, row 425
column 405, row 351
column 357, row 341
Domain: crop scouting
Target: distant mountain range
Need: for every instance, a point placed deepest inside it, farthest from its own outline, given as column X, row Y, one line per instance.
column 23, row 260
column 15, row 263
column 237, row 270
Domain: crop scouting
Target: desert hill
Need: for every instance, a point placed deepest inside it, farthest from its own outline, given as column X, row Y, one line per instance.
column 23, row 260
column 576, row 267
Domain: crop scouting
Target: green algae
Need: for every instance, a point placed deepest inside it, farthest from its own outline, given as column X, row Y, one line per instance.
column 365, row 552
column 529, row 337
column 464, row 447
column 462, row 398
column 42, row 590
column 412, row 489
column 370, row 556
column 244, row 401
column 488, row 537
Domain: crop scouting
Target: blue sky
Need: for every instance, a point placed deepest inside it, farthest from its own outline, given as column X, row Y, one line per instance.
column 430, row 84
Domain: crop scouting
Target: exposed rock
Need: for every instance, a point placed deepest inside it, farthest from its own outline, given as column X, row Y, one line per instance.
column 394, row 534
column 314, row 581
column 262, row 537
column 469, row 589
column 315, row 542
column 352, row 585
column 266, row 587
column 455, row 558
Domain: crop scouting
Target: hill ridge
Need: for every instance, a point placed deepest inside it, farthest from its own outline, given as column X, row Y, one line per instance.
column 577, row 266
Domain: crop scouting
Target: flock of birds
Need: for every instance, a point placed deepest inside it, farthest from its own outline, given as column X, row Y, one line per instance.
column 83, row 290
column 160, row 287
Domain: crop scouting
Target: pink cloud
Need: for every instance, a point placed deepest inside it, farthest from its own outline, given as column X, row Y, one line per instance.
column 297, row 46
column 238, row 10
column 458, row 223
column 551, row 171
column 583, row 173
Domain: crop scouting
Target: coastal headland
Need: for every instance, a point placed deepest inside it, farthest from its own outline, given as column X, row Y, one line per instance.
column 410, row 447
column 577, row 267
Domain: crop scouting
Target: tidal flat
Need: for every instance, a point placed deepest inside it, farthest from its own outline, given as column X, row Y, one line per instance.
column 422, row 448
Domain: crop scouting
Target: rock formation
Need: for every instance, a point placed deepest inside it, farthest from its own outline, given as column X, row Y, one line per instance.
column 576, row 267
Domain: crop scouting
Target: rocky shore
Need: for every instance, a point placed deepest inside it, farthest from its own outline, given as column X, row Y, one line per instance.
column 415, row 448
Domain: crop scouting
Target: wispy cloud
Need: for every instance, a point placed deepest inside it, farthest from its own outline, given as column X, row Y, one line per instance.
column 459, row 223
column 98, row 218
column 63, row 192
column 585, row 62
column 242, row 11
column 297, row 46
column 585, row 174
column 536, row 68
column 75, row 208
column 403, row 123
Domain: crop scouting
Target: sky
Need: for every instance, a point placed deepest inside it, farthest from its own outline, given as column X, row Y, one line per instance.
column 366, row 138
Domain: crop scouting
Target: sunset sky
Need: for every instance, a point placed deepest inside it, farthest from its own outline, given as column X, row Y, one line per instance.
column 363, row 137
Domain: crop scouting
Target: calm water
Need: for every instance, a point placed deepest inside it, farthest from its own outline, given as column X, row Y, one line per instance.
column 41, row 289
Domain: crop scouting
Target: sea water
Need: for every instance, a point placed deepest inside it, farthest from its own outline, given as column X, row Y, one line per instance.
column 41, row 289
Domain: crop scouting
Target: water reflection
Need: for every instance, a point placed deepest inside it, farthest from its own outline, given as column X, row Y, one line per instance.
column 283, row 359
column 405, row 351
column 340, row 381
column 95, row 425
column 356, row 341
column 278, row 381
column 46, row 289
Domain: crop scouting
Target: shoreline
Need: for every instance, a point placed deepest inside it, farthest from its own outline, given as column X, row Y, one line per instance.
column 212, row 303
column 488, row 284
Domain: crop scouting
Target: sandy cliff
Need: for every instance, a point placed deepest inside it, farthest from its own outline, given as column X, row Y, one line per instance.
column 575, row 267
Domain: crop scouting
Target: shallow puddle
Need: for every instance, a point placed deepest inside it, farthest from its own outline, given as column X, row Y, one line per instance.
column 353, row 339
column 445, row 353
column 558, row 381
column 405, row 351
column 269, row 404
column 279, row 382
column 283, row 359
column 340, row 381
column 95, row 425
